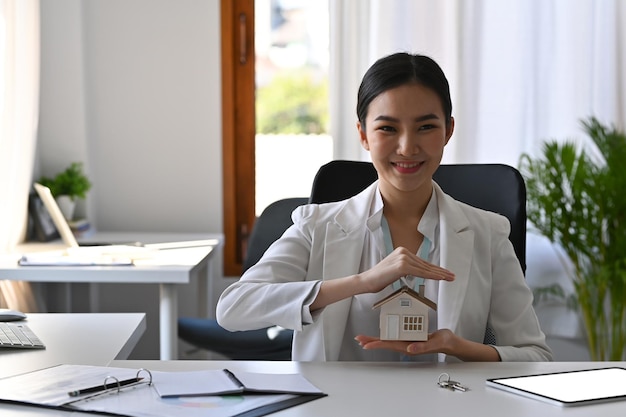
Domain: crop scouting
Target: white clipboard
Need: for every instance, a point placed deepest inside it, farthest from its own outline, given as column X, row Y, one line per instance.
column 570, row 388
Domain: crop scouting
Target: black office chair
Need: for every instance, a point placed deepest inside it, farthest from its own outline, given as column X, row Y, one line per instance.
column 494, row 187
column 207, row 334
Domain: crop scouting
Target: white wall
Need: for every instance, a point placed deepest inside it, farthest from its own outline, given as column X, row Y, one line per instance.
column 132, row 89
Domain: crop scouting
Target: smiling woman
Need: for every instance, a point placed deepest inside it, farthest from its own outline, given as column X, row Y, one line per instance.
column 324, row 275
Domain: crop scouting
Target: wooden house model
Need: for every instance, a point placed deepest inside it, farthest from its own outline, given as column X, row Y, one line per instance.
column 404, row 315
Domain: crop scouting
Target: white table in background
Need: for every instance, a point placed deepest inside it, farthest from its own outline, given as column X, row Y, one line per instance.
column 169, row 268
column 75, row 338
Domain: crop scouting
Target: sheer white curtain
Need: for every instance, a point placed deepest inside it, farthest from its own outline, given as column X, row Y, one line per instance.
column 19, row 91
column 521, row 71
column 531, row 70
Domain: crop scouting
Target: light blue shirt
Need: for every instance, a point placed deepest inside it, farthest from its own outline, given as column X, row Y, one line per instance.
column 363, row 319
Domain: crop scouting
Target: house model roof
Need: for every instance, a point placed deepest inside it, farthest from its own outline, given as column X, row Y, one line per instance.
column 408, row 291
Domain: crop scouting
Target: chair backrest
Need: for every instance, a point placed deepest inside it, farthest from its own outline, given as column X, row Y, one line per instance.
column 252, row 344
column 494, row 187
column 269, row 226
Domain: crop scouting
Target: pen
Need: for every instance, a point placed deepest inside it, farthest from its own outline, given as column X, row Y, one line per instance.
column 103, row 387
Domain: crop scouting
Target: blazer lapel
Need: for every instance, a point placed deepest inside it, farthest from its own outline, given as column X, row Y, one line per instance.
column 343, row 248
column 457, row 242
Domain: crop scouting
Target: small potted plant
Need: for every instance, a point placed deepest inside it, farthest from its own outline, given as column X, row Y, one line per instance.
column 67, row 186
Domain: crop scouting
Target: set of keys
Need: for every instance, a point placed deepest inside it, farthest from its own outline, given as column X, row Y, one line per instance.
column 445, row 382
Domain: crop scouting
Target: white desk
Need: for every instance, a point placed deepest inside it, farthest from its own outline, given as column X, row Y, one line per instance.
column 168, row 269
column 405, row 389
column 80, row 338
column 380, row 389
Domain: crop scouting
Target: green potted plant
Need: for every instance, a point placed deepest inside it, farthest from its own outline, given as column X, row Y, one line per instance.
column 576, row 197
column 67, row 186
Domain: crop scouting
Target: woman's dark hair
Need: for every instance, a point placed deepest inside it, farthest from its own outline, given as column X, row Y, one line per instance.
column 398, row 69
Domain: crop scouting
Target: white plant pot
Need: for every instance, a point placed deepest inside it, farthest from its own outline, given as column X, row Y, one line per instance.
column 67, row 206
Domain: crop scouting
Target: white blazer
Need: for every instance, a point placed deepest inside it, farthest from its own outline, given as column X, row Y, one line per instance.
column 326, row 242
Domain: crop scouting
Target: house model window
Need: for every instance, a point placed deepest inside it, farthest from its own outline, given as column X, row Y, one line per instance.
column 413, row 323
column 404, row 315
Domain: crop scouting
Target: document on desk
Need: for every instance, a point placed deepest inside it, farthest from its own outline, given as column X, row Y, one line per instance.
column 56, row 387
column 63, row 258
column 224, row 381
column 105, row 255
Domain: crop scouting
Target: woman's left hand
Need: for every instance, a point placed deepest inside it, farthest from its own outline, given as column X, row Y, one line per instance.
column 438, row 342
column 441, row 341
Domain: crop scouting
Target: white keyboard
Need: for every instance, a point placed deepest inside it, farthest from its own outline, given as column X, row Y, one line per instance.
column 18, row 335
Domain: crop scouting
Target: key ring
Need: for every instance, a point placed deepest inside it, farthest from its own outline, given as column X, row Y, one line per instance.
column 445, row 383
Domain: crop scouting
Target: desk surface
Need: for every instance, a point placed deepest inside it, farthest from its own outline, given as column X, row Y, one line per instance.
column 379, row 389
column 409, row 389
column 86, row 339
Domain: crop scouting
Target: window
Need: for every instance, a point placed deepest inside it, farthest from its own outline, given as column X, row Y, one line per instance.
column 274, row 80
column 292, row 115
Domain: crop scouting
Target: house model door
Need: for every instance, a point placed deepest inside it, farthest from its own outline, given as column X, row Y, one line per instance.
column 393, row 327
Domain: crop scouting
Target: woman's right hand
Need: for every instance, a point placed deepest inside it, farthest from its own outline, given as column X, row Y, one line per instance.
column 399, row 263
